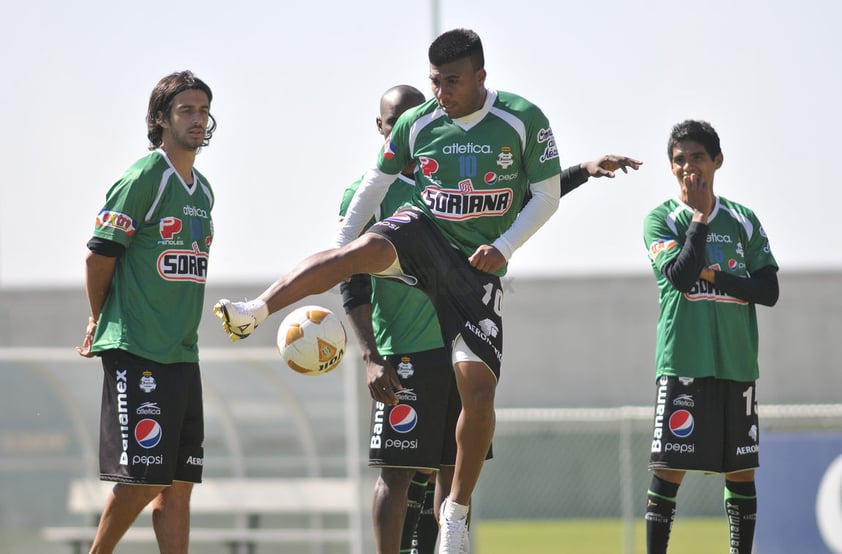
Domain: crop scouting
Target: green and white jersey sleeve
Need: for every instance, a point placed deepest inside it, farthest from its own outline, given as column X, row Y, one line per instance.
column 705, row 332
column 473, row 174
column 157, row 293
column 402, row 317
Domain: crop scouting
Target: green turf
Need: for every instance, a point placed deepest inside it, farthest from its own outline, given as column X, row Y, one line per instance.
column 593, row 536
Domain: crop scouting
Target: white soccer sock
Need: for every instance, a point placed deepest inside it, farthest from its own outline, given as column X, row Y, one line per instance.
column 259, row 309
column 453, row 511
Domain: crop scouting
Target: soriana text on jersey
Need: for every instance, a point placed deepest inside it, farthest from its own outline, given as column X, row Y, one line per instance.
column 467, row 203
column 183, row 265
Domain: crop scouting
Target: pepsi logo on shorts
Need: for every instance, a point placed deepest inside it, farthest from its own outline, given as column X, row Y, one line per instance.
column 681, row 423
column 148, row 433
column 403, row 418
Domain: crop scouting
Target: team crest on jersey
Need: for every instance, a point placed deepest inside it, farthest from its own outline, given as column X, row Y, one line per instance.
column 467, row 203
column 550, row 150
column 183, row 265
column 505, row 158
column 116, row 220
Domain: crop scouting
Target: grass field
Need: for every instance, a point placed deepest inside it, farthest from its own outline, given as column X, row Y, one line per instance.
column 593, row 536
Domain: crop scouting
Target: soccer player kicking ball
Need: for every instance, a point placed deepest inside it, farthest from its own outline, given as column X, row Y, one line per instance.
column 480, row 154
column 713, row 264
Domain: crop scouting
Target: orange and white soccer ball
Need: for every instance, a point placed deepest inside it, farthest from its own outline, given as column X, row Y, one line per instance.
column 312, row 340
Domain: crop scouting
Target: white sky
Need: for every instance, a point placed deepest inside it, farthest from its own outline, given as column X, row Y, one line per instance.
column 297, row 86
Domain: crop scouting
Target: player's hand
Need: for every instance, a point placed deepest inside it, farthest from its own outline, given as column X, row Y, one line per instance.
column 487, row 258
column 697, row 194
column 85, row 349
column 609, row 163
column 383, row 381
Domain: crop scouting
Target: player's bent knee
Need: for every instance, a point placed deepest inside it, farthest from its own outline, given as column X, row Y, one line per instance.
column 370, row 253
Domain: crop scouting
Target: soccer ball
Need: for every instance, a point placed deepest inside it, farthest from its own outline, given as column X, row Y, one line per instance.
column 312, row 340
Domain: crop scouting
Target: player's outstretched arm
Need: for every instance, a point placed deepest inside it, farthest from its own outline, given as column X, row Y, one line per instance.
column 608, row 164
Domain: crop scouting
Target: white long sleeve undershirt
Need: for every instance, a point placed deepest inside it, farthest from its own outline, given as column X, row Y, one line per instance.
column 544, row 203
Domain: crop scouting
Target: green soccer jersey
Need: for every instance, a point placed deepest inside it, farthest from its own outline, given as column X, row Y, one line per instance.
column 403, row 318
column 705, row 332
column 472, row 175
column 157, row 292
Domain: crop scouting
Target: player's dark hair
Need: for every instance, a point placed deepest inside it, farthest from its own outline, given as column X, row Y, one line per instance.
column 455, row 45
column 161, row 101
column 697, row 131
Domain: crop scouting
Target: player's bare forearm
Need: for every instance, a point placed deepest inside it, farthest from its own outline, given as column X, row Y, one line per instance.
column 98, row 273
column 381, row 379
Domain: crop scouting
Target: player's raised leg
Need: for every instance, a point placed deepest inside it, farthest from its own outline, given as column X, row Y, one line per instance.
column 313, row 275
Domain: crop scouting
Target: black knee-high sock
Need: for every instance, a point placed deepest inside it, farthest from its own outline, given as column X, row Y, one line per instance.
column 660, row 512
column 741, row 509
column 427, row 530
column 415, row 499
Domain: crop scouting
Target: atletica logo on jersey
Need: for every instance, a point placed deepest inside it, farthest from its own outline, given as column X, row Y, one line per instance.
column 469, row 148
column 681, row 423
column 466, row 203
column 148, row 433
column 403, row 418
column 183, row 265
column 116, row 220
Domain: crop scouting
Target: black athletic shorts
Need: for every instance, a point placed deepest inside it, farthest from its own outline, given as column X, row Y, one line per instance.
column 419, row 431
column 468, row 301
column 151, row 424
column 705, row 424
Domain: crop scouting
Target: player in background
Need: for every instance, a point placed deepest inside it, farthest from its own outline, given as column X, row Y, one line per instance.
column 396, row 327
column 713, row 264
column 480, row 152
column 145, row 281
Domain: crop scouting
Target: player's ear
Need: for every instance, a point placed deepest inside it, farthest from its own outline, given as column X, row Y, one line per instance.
column 379, row 122
column 481, row 74
column 161, row 120
column 717, row 161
